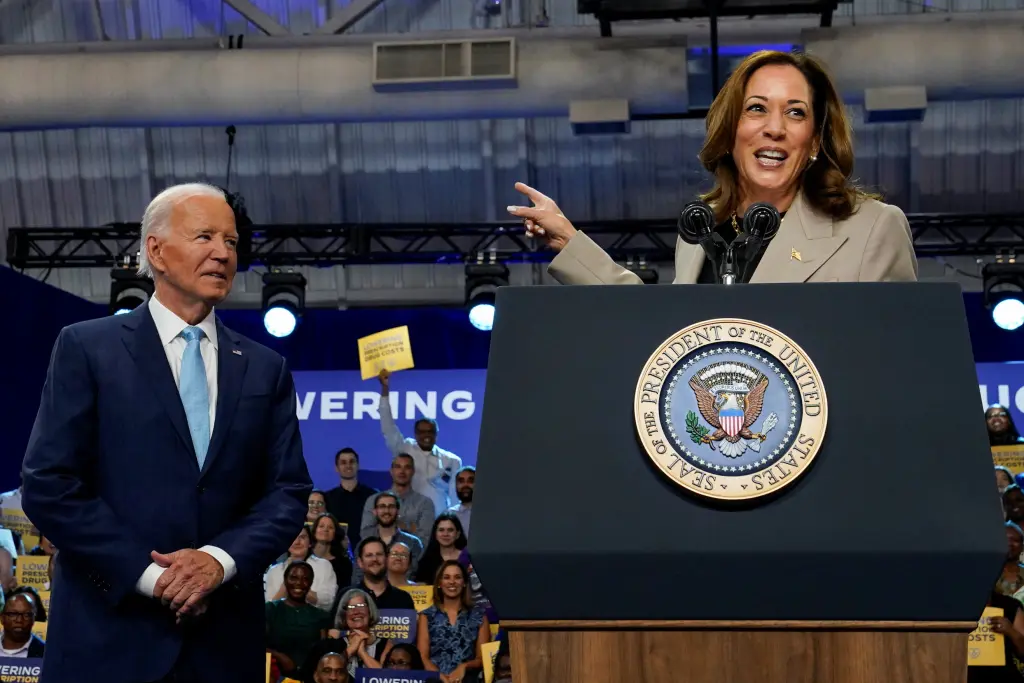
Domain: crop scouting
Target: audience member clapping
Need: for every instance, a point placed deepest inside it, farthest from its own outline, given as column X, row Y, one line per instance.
column 293, row 625
column 446, row 543
column 353, row 634
column 324, row 582
column 451, row 632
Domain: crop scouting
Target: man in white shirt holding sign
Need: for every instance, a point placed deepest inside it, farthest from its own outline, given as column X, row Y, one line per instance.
column 434, row 476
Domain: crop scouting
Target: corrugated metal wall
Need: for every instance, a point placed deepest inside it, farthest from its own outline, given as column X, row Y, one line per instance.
column 966, row 156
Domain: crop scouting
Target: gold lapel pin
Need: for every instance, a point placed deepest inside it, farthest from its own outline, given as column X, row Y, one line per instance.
column 794, row 255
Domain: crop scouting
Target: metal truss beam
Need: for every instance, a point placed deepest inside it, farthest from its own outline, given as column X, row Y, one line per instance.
column 347, row 16
column 258, row 17
column 279, row 246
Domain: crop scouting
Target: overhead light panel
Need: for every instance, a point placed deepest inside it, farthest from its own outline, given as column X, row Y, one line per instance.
column 284, row 300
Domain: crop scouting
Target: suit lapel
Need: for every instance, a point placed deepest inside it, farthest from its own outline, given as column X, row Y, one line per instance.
column 691, row 258
column 231, row 365
column 143, row 344
column 804, row 243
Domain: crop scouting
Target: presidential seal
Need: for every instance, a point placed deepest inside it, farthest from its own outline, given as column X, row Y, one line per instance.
column 731, row 409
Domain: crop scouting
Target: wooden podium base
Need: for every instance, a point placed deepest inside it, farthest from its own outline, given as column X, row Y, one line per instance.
column 738, row 652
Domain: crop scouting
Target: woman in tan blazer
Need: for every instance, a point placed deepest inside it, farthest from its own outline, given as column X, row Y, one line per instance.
column 776, row 133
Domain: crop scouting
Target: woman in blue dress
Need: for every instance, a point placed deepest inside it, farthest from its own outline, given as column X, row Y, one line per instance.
column 451, row 632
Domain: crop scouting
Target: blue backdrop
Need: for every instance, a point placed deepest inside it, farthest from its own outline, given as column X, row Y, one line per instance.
column 326, row 341
column 339, row 409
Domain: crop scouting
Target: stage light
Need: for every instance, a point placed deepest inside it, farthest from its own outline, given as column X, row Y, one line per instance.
column 1003, row 286
column 1009, row 313
column 482, row 281
column 128, row 290
column 284, row 299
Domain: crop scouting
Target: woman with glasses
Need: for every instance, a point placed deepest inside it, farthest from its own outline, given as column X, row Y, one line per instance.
column 399, row 562
column 352, row 634
column 316, row 505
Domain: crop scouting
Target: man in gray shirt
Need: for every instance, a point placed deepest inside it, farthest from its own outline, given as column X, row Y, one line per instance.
column 417, row 512
column 386, row 509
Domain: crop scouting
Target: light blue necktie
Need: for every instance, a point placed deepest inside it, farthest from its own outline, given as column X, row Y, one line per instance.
column 195, row 395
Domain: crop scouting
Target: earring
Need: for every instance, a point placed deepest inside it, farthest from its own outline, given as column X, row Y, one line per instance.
column 814, row 157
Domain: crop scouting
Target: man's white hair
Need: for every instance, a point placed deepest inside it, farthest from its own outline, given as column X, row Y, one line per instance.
column 157, row 218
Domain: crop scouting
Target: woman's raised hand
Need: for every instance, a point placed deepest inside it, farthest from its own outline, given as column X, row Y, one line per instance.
column 544, row 219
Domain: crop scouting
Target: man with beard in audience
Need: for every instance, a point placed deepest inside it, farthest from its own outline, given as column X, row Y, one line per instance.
column 371, row 556
column 417, row 511
column 386, row 510
column 465, row 481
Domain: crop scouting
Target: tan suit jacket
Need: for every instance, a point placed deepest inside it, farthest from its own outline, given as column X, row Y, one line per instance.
column 872, row 245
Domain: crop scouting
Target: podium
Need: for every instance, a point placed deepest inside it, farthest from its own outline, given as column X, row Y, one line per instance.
column 872, row 566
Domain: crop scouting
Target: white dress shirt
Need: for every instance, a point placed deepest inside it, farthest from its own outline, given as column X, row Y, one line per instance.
column 16, row 652
column 169, row 327
column 325, row 581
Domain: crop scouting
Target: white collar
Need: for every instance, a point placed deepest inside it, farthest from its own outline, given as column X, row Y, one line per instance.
column 169, row 325
column 23, row 648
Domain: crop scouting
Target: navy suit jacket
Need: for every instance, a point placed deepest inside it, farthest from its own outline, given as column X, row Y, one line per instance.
column 111, row 474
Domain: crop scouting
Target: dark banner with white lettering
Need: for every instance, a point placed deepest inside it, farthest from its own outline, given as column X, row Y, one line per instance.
column 397, row 625
column 17, row 670
column 395, row 676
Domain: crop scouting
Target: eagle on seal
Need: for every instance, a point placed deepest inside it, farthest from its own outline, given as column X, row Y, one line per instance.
column 731, row 413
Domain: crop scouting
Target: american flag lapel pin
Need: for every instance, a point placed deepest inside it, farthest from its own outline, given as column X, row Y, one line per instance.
column 236, row 352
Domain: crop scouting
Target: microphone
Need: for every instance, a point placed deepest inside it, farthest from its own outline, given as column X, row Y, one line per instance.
column 760, row 224
column 697, row 226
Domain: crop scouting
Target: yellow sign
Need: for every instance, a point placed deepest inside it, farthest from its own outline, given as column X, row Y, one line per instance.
column 269, row 656
column 387, row 350
column 730, row 409
column 16, row 520
column 985, row 646
column 489, row 652
column 45, row 597
column 33, row 570
column 39, row 628
column 422, row 596
column 1010, row 457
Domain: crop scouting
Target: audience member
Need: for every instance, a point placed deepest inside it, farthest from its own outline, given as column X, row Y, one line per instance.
column 399, row 556
column 328, row 535
column 371, row 556
column 404, row 657
column 1011, row 580
column 18, row 617
column 465, row 482
column 316, row 505
column 332, row 668
column 435, row 467
column 1004, row 478
column 40, row 611
column 324, row 585
column 451, row 632
column 416, row 513
column 353, row 634
column 502, row 666
column 1001, row 429
column 45, row 547
column 476, row 588
column 1010, row 625
column 293, row 625
column 347, row 500
column 387, row 507
column 1013, row 504
column 446, row 543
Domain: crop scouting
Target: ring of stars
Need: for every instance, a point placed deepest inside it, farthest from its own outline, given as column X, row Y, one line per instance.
column 769, row 361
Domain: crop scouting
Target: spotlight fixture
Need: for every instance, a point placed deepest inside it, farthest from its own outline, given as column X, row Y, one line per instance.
column 482, row 281
column 284, row 299
column 128, row 290
column 1004, row 293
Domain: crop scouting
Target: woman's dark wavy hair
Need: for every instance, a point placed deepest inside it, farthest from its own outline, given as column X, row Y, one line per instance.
column 826, row 183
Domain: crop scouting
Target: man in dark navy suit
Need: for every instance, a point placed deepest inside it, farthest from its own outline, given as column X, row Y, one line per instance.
column 166, row 464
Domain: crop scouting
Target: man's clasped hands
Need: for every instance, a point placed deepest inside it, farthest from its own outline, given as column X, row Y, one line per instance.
column 190, row 576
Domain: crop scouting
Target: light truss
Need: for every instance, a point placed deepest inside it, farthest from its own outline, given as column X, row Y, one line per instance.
column 652, row 241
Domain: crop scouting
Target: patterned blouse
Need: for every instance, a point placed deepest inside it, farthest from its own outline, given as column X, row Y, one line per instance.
column 452, row 645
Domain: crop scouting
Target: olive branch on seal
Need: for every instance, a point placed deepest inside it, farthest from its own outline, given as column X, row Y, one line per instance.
column 694, row 428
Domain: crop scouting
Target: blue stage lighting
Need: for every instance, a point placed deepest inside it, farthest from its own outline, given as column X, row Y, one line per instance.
column 1008, row 314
